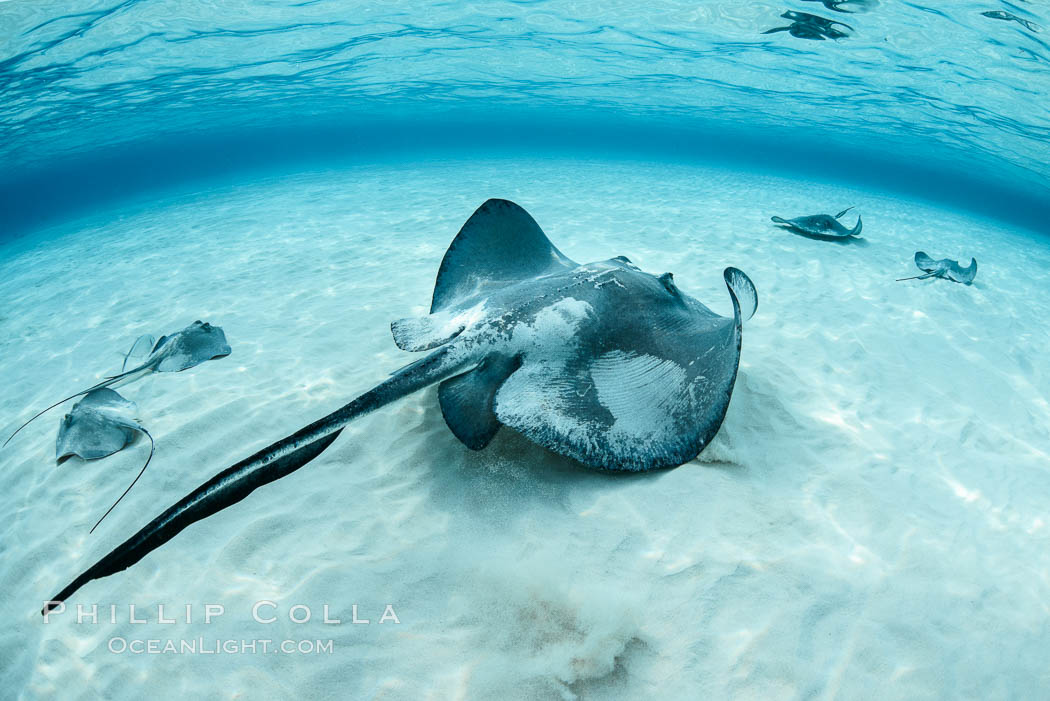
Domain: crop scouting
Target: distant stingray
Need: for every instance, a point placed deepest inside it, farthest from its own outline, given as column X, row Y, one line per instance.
column 100, row 424
column 850, row 6
column 1009, row 17
column 182, row 350
column 821, row 226
column 806, row 26
column 602, row 363
column 944, row 268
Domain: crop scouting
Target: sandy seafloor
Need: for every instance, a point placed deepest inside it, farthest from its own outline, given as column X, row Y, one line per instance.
column 872, row 521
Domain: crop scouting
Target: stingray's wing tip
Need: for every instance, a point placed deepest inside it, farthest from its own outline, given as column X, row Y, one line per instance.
column 745, row 297
column 858, row 228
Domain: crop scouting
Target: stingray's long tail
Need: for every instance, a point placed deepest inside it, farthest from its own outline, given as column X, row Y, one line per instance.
column 152, row 447
column 269, row 464
column 917, row 277
column 116, row 380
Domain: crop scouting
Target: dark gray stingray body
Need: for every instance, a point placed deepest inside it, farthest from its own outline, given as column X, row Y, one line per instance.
column 602, row 362
column 821, row 226
column 100, row 424
column 1010, row 17
column 806, row 26
column 944, row 268
column 193, row 345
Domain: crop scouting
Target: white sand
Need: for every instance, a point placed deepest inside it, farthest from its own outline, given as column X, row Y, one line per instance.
column 872, row 520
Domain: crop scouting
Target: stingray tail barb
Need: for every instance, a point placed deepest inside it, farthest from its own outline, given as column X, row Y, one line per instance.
column 742, row 290
column 267, row 465
column 114, row 381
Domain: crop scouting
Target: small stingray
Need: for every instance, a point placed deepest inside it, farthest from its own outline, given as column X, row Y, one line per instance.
column 603, row 363
column 806, row 26
column 944, row 268
column 100, row 424
column 182, row 350
column 849, row 6
column 1009, row 17
column 821, row 226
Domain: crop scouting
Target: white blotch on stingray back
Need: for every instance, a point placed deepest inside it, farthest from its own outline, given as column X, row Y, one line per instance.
column 642, row 392
column 553, row 331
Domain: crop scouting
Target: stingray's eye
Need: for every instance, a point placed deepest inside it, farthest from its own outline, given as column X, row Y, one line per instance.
column 667, row 280
column 625, row 259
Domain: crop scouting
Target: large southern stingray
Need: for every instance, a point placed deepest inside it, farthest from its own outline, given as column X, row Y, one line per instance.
column 821, row 226
column 601, row 362
column 198, row 342
column 100, row 424
column 944, row 268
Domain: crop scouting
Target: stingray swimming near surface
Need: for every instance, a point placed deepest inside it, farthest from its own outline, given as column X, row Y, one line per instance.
column 99, row 425
column 193, row 345
column 806, row 26
column 944, row 268
column 614, row 367
column 821, row 226
column 849, row 6
column 1010, row 17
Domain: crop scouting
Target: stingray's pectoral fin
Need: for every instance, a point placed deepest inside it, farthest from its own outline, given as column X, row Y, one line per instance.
column 924, row 262
column 499, row 244
column 426, row 332
column 467, row 400
column 140, row 349
column 964, row 275
column 858, row 228
column 742, row 290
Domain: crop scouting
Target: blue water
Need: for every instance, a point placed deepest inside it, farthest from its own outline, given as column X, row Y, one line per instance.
column 104, row 100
